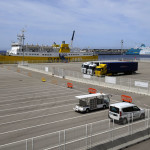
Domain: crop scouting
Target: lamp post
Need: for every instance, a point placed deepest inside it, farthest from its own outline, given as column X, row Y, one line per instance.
column 23, row 38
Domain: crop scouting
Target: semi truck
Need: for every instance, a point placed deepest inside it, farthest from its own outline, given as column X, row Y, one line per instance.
column 91, row 102
column 111, row 68
column 85, row 66
column 92, row 67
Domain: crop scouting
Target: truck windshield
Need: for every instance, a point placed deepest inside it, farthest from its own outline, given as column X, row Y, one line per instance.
column 90, row 67
column 106, row 99
column 82, row 103
column 98, row 69
column 114, row 109
column 85, row 66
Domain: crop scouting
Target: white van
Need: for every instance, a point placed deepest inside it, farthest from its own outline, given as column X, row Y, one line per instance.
column 123, row 111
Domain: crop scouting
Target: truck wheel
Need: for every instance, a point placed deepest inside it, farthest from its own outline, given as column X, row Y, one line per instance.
column 87, row 110
column 142, row 116
column 124, row 121
column 104, row 106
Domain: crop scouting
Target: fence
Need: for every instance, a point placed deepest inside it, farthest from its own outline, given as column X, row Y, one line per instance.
column 82, row 137
column 120, row 83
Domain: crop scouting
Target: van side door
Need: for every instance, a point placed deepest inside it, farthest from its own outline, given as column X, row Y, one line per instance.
column 127, row 112
column 136, row 112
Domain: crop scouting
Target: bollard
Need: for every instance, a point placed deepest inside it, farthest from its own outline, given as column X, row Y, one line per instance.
column 29, row 74
column 126, row 98
column 43, row 79
column 69, row 85
column 18, row 70
column 92, row 91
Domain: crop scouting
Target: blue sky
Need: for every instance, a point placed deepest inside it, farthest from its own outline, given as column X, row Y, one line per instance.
column 98, row 23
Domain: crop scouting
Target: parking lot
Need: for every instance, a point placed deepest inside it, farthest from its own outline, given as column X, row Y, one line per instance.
column 31, row 108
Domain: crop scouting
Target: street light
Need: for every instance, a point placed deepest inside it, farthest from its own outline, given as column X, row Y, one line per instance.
column 21, row 39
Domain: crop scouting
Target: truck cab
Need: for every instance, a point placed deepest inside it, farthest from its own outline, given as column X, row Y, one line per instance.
column 101, row 70
column 84, row 67
column 91, row 102
column 92, row 67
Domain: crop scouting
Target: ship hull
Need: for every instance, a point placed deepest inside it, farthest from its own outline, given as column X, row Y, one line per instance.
column 31, row 59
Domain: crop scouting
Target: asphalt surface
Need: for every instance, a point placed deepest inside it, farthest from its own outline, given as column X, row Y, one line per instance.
column 142, row 145
column 31, row 108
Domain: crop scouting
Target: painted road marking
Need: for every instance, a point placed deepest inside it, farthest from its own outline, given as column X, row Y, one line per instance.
column 36, row 105
column 51, row 122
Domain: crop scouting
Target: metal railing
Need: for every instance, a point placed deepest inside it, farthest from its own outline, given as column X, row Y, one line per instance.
column 120, row 83
column 82, row 137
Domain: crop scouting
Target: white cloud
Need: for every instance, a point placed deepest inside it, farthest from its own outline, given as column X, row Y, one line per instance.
column 91, row 18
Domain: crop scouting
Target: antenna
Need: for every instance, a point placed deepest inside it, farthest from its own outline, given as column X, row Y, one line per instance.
column 21, row 37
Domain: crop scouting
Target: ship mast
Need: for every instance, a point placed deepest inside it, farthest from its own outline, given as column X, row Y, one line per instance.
column 21, row 39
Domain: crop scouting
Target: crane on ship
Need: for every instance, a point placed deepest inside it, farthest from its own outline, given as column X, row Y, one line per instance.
column 72, row 38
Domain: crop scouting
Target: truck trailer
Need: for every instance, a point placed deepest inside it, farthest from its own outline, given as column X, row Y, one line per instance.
column 111, row 68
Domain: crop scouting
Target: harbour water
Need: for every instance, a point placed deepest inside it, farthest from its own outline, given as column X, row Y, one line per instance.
column 123, row 57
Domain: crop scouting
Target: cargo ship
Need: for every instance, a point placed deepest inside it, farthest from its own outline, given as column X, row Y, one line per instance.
column 142, row 50
column 54, row 53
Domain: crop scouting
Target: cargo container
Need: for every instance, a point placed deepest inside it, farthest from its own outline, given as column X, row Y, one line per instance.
column 111, row 68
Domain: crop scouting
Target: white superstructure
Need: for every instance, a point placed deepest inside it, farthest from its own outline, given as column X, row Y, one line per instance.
column 145, row 51
column 19, row 49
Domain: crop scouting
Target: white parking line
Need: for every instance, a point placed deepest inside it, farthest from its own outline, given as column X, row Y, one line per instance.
column 39, row 92
column 146, row 105
column 23, row 90
column 35, row 100
column 32, row 111
column 36, row 105
column 36, row 117
column 52, row 122
column 37, row 96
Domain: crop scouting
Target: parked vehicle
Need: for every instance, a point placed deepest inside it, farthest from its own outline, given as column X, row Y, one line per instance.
column 124, row 111
column 92, row 101
column 112, row 68
column 85, row 66
column 92, row 67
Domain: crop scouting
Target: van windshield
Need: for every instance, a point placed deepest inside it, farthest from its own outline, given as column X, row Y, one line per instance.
column 114, row 109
